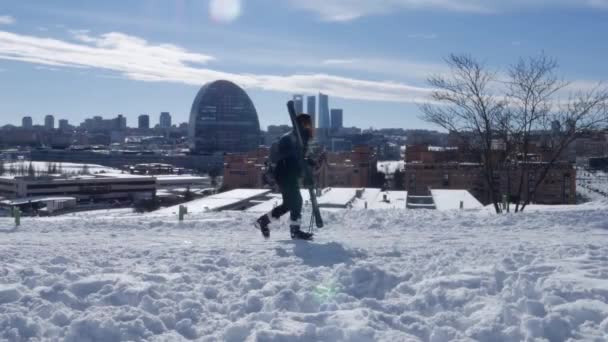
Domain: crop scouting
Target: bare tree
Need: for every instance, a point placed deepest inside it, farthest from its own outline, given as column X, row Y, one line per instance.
column 467, row 102
column 584, row 111
column 532, row 85
column 519, row 111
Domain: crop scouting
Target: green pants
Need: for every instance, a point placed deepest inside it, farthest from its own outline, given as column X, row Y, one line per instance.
column 292, row 200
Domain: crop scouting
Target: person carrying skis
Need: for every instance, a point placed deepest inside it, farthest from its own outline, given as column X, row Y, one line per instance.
column 287, row 171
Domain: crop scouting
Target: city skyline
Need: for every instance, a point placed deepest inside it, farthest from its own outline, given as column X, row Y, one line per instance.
column 85, row 59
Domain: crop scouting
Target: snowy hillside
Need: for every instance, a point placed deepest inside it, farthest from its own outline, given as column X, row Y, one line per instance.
column 369, row 276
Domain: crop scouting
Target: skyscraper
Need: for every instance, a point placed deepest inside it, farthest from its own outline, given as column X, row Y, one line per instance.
column 49, row 122
column 299, row 103
column 144, row 121
column 311, row 109
column 64, row 125
column 337, row 117
column 323, row 111
column 121, row 122
column 27, row 122
column 165, row 120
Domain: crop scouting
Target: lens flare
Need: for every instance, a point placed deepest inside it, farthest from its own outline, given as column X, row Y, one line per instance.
column 225, row 11
column 325, row 292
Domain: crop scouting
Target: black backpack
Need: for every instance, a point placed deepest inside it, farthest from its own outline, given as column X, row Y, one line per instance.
column 271, row 164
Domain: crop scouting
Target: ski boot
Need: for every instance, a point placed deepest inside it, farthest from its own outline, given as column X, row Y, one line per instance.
column 262, row 224
column 297, row 233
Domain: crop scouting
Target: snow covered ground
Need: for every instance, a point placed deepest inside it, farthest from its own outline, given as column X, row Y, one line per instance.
column 63, row 167
column 388, row 275
column 592, row 185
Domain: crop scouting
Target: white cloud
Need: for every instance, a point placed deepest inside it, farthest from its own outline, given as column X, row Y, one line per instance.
column 338, row 61
column 7, row 20
column 403, row 68
column 45, row 68
column 137, row 59
column 345, row 10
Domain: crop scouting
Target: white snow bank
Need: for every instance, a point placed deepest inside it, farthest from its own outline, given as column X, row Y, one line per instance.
column 389, row 275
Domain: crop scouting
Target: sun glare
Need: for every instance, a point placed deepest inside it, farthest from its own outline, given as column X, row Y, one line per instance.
column 225, row 11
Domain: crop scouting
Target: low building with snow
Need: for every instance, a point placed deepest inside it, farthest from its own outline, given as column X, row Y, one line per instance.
column 84, row 187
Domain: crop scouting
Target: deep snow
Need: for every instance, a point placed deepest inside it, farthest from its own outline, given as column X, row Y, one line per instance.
column 390, row 275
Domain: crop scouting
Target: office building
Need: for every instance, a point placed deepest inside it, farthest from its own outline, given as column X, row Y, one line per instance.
column 324, row 111
column 83, row 188
column 337, row 119
column 223, row 119
column 49, row 122
column 27, row 122
column 64, row 125
column 311, row 109
column 143, row 121
column 165, row 120
column 298, row 101
column 121, row 122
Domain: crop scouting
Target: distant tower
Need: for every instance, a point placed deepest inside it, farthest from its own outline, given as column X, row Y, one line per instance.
column 165, row 120
column 323, row 111
column 337, row 118
column 64, row 125
column 121, row 122
column 27, row 122
column 311, row 109
column 144, row 121
column 299, row 103
column 49, row 122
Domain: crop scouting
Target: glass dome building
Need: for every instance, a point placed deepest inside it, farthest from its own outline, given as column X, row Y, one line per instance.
column 223, row 119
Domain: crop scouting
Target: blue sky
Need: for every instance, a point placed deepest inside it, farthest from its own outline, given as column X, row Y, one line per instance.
column 76, row 59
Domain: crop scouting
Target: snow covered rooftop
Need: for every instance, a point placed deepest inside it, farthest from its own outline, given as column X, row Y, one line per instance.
column 342, row 198
column 450, row 199
column 185, row 178
column 220, row 201
column 389, row 167
column 25, row 200
column 337, row 197
column 376, row 199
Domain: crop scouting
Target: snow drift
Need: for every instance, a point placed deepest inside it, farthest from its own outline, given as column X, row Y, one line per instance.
column 369, row 276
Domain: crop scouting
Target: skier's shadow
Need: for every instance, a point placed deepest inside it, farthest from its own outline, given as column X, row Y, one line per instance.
column 8, row 231
column 316, row 255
